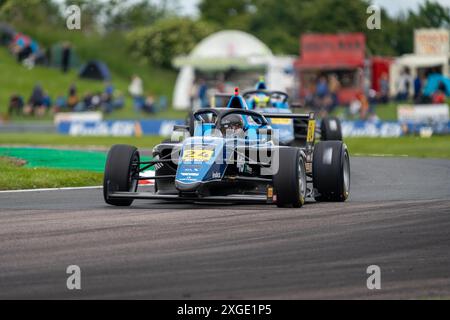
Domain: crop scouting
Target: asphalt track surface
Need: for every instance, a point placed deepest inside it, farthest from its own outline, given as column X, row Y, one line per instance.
column 398, row 218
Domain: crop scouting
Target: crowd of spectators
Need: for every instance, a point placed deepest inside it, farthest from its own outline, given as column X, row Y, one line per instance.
column 429, row 86
column 322, row 95
column 107, row 101
column 40, row 103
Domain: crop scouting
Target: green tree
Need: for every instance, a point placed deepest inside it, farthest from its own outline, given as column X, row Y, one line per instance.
column 230, row 14
column 125, row 15
column 30, row 12
column 166, row 39
column 430, row 15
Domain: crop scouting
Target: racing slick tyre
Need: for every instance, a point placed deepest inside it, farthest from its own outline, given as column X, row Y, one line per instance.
column 122, row 165
column 290, row 180
column 331, row 129
column 331, row 171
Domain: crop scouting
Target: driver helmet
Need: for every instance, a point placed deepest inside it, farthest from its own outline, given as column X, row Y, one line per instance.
column 261, row 101
column 232, row 122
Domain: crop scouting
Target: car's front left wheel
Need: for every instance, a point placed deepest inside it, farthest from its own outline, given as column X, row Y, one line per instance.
column 121, row 172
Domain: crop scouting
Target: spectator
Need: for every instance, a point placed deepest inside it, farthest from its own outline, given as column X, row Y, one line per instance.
column 136, row 90
column 417, row 87
column 118, row 101
column 439, row 96
column 85, row 104
column 107, row 98
column 46, row 105
column 96, row 101
column 24, row 53
column 321, row 97
column 72, row 100
column 334, row 88
column 16, row 104
column 203, row 94
column 66, row 54
column 60, row 104
column 384, row 88
column 322, row 87
column 149, row 106
column 404, row 85
column 35, row 102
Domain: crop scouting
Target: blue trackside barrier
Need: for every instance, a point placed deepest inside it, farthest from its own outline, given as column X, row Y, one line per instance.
column 164, row 128
column 119, row 128
column 391, row 128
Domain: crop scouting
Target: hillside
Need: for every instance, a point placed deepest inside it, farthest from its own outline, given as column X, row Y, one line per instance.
column 14, row 78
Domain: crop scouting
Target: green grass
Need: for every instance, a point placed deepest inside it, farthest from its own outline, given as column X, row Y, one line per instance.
column 435, row 147
column 15, row 78
column 15, row 177
column 30, row 139
column 386, row 112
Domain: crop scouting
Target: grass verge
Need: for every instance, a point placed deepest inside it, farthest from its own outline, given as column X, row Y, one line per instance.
column 14, row 177
column 25, row 139
column 434, row 147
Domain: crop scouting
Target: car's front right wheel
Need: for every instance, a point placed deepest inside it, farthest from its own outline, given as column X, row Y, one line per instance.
column 121, row 170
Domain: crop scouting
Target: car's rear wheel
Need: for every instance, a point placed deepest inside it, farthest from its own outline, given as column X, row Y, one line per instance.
column 331, row 171
column 121, row 172
column 290, row 180
column 331, row 129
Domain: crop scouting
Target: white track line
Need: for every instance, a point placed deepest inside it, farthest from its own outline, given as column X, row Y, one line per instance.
column 51, row 189
column 376, row 155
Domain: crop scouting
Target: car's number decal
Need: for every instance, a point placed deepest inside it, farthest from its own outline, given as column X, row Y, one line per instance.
column 197, row 155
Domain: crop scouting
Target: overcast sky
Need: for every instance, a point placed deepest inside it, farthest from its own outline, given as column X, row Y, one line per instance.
column 189, row 7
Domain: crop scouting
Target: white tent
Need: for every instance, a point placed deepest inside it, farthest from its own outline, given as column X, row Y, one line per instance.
column 221, row 51
column 224, row 49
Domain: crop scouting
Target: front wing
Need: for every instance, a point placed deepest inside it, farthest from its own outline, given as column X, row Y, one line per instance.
column 238, row 198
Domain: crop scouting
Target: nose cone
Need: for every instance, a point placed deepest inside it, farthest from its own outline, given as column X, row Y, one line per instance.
column 187, row 187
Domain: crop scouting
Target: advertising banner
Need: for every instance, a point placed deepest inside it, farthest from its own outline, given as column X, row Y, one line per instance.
column 427, row 114
column 431, row 42
column 126, row 128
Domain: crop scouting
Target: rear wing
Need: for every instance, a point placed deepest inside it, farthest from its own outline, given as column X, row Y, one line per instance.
column 304, row 127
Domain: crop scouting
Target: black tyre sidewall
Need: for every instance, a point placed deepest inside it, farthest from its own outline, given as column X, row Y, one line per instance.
column 328, row 179
column 286, row 181
column 117, row 173
column 327, row 134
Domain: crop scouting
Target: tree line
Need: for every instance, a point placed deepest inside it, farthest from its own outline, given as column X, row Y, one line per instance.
column 156, row 33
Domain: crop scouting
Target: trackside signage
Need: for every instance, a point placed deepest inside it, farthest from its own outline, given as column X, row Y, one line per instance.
column 371, row 129
column 125, row 128
column 433, row 113
column 165, row 128
column 392, row 129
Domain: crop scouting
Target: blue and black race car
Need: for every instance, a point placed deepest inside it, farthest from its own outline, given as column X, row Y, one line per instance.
column 234, row 156
column 292, row 131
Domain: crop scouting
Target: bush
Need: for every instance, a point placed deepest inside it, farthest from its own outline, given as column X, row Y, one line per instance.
column 160, row 43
